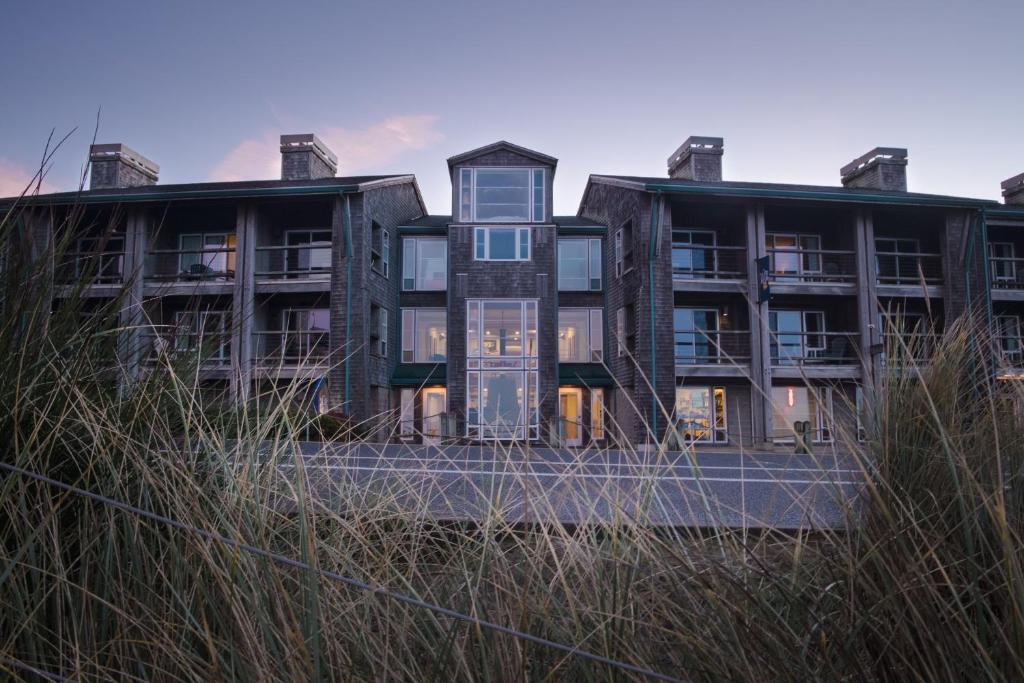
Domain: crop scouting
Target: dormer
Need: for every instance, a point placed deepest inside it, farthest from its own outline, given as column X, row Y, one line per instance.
column 502, row 183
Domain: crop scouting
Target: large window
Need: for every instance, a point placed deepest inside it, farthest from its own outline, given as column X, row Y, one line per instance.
column 624, row 249
column 1004, row 265
column 580, row 335
column 310, row 251
column 1008, row 331
column 206, row 331
column 792, row 256
column 897, row 260
column 501, row 244
column 424, row 335
column 798, row 335
column 579, row 265
column 380, row 249
column 424, row 264
column 700, row 414
column 693, row 254
column 696, row 335
column 207, row 255
column 379, row 330
column 497, row 195
column 801, row 404
column 501, row 361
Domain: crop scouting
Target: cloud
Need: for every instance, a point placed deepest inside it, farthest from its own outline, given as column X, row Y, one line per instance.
column 15, row 178
column 358, row 150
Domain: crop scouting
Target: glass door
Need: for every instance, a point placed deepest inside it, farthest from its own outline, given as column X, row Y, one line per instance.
column 435, row 400
column 569, row 401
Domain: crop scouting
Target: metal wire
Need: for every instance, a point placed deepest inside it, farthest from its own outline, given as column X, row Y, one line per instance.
column 341, row 578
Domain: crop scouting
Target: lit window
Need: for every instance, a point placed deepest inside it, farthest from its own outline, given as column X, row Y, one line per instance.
column 597, row 414
column 207, row 255
column 501, row 195
column 501, row 244
column 424, row 264
column 700, row 414
column 579, row 264
column 502, row 376
column 580, row 335
column 424, row 335
column 791, row 404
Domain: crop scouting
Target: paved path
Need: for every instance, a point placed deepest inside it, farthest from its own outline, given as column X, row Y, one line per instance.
column 469, row 482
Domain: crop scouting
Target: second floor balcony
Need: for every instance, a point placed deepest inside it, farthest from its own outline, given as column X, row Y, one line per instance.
column 904, row 262
column 695, row 261
column 290, row 348
column 306, row 255
column 798, row 264
column 213, row 261
column 695, row 346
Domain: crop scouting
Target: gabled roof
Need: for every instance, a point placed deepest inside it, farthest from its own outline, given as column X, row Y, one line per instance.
column 429, row 221
column 245, row 188
column 501, row 145
column 787, row 191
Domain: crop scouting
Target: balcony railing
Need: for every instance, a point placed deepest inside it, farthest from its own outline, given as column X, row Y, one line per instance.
column 812, row 265
column 1007, row 272
column 173, row 345
column 290, row 347
column 105, row 267
column 907, row 349
column 813, row 348
column 908, row 268
column 712, row 347
column 211, row 264
column 293, row 262
column 700, row 262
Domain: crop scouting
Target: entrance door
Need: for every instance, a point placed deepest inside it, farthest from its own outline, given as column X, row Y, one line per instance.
column 434, row 406
column 569, row 401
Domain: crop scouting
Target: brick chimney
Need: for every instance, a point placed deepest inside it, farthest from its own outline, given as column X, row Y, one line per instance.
column 883, row 168
column 117, row 165
column 699, row 158
column 1013, row 189
column 305, row 157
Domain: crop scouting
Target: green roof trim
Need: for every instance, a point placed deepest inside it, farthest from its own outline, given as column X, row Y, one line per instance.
column 823, row 195
column 166, row 195
column 417, row 374
column 582, row 230
column 584, row 375
column 421, row 230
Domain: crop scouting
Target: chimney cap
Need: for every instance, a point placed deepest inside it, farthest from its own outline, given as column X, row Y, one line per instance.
column 108, row 151
column 699, row 144
column 1013, row 184
column 297, row 141
column 893, row 155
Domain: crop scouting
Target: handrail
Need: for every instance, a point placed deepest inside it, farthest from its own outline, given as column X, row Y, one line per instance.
column 724, row 352
column 839, row 348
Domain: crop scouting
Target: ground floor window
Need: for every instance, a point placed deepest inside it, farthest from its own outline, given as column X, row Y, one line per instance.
column 791, row 404
column 422, row 413
column 700, row 414
column 502, row 404
column 597, row 414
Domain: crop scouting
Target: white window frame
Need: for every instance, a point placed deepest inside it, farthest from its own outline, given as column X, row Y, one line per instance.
column 806, row 350
column 620, row 332
column 715, row 434
column 825, row 419
column 219, row 252
column 409, row 316
column 798, row 250
column 595, row 334
column 470, row 173
column 382, row 331
column 1012, row 263
column 619, row 254
column 591, row 276
column 522, row 237
column 410, row 264
column 311, row 246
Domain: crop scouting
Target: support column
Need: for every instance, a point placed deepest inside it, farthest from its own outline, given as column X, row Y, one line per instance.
column 867, row 303
column 132, row 318
column 760, row 350
column 243, row 303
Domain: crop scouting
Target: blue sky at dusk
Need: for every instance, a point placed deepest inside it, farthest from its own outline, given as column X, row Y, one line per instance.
column 796, row 89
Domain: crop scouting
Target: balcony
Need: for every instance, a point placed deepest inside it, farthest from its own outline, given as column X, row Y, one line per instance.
column 814, row 354
column 92, row 267
column 169, row 344
column 193, row 266
column 822, row 271
column 712, row 352
column 1007, row 272
column 905, row 269
column 908, row 350
column 708, row 267
column 290, row 348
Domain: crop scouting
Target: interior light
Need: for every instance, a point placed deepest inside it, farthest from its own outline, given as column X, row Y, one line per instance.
column 789, row 396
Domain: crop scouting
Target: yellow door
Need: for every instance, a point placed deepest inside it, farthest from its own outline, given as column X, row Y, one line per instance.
column 569, row 401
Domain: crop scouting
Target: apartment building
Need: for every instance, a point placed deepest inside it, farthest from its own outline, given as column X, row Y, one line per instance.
column 730, row 309
column 751, row 306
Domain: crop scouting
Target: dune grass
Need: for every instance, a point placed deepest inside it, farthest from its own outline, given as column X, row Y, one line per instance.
column 927, row 584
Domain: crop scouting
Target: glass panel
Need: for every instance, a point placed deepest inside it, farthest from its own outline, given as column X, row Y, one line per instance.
column 409, row 264
column 597, row 414
column 531, row 329
column 721, row 430
column 810, row 262
column 572, row 265
column 466, row 195
column 693, row 413
column 188, row 263
column 502, row 244
column 595, row 264
column 1003, row 266
column 596, row 335
column 814, row 321
column 786, row 338
column 695, row 338
column 473, row 398
column 792, row 404
column 574, row 335
column 787, row 261
column 431, row 336
column 408, row 336
column 538, row 194
column 434, row 406
column 502, row 194
column 405, row 420
column 480, row 237
column 432, row 265
column 569, row 411
column 473, row 329
column 503, row 328
column 524, row 244
column 502, row 396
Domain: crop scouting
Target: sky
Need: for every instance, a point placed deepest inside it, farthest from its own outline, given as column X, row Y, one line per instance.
column 797, row 89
